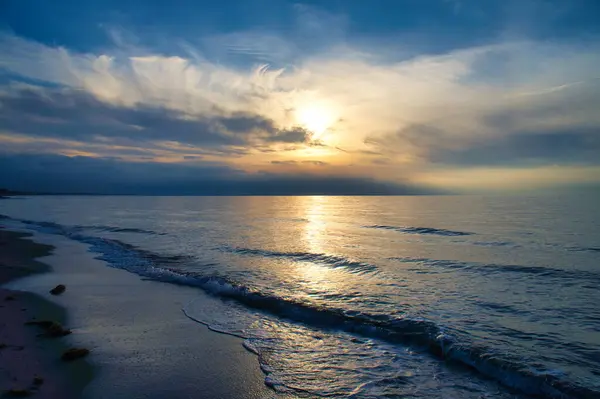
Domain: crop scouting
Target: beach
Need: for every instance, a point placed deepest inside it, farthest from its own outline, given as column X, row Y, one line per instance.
column 29, row 363
column 141, row 344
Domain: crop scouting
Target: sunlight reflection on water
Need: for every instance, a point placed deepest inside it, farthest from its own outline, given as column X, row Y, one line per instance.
column 350, row 295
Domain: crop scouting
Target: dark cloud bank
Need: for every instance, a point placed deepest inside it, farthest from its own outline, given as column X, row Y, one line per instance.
column 67, row 114
column 60, row 174
column 515, row 147
column 77, row 115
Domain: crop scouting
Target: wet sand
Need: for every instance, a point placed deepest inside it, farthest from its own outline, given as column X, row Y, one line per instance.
column 142, row 345
column 31, row 364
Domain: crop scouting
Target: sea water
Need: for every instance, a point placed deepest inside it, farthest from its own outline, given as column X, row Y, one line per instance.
column 371, row 297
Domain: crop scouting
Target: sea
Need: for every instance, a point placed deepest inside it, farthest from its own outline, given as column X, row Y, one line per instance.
column 370, row 297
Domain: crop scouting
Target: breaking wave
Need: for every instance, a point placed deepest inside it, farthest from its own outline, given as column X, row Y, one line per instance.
column 417, row 332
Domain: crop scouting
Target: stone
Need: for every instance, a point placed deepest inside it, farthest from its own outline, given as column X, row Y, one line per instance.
column 59, row 289
column 74, row 354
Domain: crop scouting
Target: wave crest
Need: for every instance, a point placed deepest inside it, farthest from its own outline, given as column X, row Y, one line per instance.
column 416, row 332
column 420, row 230
column 324, row 259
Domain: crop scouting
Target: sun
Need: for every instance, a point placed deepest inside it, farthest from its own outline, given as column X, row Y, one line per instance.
column 316, row 118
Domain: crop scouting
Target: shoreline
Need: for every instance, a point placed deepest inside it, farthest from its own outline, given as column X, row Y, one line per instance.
column 141, row 343
column 30, row 364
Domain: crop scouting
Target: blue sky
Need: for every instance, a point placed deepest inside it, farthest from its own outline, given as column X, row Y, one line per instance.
column 449, row 95
column 439, row 24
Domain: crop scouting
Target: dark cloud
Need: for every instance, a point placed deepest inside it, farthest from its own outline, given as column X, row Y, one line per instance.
column 60, row 174
column 77, row 115
column 294, row 135
column 556, row 126
column 317, row 163
column 240, row 122
column 528, row 149
column 577, row 145
column 55, row 173
column 284, row 162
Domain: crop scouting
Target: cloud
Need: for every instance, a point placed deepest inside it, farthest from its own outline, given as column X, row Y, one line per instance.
column 556, row 127
column 77, row 115
column 305, row 162
column 289, row 162
column 293, row 135
column 517, row 102
column 316, row 163
column 60, row 174
column 54, row 173
column 579, row 147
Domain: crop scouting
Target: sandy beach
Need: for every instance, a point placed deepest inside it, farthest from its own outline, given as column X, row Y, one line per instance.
column 141, row 344
column 31, row 364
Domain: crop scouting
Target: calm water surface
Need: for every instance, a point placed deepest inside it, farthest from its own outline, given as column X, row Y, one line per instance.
column 372, row 297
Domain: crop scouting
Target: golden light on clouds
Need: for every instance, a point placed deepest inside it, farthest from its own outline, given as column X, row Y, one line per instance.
column 435, row 119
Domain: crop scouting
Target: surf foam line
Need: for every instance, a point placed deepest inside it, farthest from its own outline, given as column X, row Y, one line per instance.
column 419, row 333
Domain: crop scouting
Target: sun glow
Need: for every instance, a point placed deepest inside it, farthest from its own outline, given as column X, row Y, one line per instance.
column 316, row 118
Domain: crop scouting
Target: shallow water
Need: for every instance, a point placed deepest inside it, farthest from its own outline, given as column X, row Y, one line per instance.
column 372, row 296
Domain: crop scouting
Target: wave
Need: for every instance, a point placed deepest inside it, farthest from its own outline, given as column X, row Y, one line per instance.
column 417, row 332
column 584, row 249
column 74, row 233
column 495, row 244
column 118, row 229
column 420, row 230
column 490, row 269
column 66, row 230
column 327, row 260
column 406, row 331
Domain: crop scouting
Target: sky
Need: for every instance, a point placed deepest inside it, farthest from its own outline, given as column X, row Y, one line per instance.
column 313, row 97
